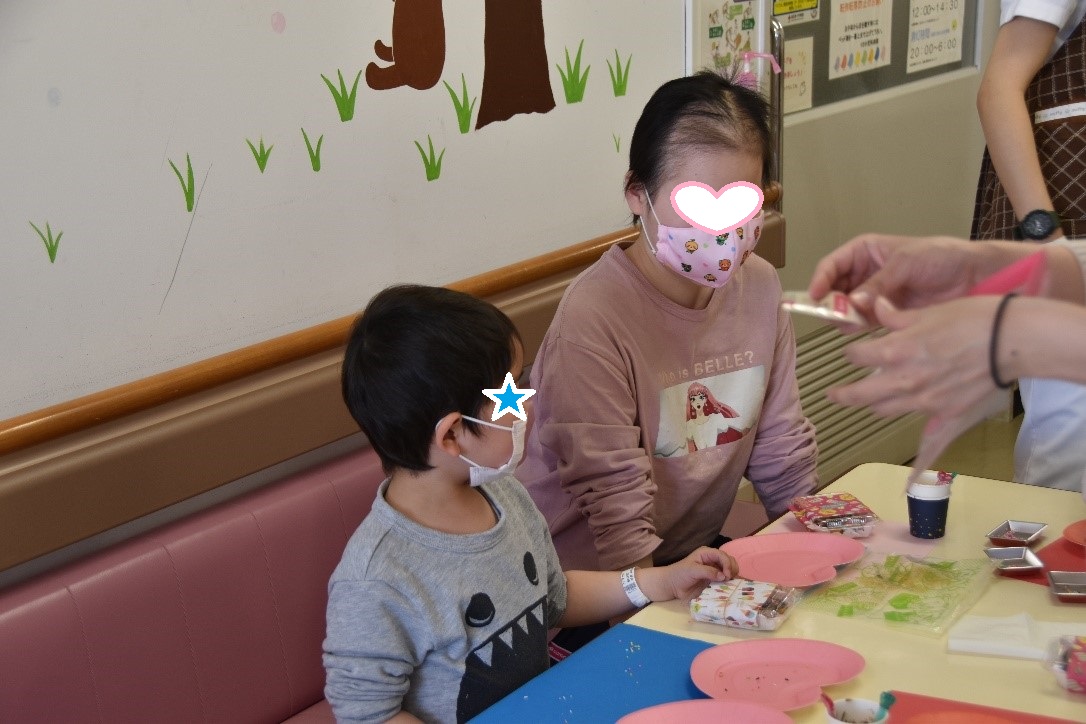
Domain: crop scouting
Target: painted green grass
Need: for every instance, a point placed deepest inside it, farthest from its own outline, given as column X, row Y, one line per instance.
column 344, row 99
column 314, row 153
column 189, row 187
column 573, row 83
column 618, row 142
column 51, row 242
column 461, row 105
column 260, row 154
column 619, row 76
column 431, row 164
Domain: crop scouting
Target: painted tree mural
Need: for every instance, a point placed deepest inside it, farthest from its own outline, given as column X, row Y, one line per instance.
column 516, row 78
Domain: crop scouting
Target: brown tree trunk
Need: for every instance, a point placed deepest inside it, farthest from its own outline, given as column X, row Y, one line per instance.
column 516, row 78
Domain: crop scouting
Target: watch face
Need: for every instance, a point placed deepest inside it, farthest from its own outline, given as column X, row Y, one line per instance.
column 1038, row 224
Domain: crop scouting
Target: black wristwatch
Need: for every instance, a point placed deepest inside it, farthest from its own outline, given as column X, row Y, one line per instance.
column 1038, row 224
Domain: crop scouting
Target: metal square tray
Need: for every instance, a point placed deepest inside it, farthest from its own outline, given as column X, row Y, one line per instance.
column 1016, row 533
column 1014, row 561
column 1068, row 586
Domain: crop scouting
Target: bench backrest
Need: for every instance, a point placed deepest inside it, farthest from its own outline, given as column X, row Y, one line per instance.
column 217, row 617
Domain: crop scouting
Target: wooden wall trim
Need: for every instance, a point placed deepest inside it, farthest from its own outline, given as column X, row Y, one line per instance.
column 49, row 423
column 77, row 470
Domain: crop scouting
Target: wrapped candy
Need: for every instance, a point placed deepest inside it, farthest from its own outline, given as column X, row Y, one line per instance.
column 1066, row 658
column 835, row 513
column 743, row 603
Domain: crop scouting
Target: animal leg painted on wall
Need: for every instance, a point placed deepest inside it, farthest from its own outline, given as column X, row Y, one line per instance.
column 417, row 52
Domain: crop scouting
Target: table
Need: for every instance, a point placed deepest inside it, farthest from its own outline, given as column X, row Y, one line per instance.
column 633, row 665
column 917, row 663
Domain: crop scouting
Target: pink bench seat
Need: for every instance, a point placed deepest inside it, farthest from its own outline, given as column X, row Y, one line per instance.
column 218, row 617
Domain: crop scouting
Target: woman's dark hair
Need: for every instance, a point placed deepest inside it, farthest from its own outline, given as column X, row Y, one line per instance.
column 416, row 354
column 702, row 111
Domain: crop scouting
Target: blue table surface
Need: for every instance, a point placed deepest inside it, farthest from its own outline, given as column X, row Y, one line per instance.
column 625, row 669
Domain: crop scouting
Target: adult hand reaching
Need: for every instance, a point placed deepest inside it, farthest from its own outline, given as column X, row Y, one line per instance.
column 933, row 360
column 908, row 271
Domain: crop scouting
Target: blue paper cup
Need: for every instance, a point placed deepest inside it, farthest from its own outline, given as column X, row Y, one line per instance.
column 927, row 518
column 929, row 500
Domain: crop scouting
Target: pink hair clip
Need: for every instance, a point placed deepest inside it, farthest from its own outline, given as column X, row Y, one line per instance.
column 748, row 78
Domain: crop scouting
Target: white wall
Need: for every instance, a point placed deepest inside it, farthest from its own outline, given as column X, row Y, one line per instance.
column 98, row 97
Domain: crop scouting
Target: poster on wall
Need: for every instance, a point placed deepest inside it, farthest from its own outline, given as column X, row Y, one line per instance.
column 722, row 30
column 935, row 33
column 859, row 36
column 794, row 12
column 798, row 57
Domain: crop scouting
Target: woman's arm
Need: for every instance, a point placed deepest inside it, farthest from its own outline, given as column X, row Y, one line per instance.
column 783, row 460
column 1020, row 51
column 1042, row 338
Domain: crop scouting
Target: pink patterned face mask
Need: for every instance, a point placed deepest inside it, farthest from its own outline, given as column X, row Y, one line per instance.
column 700, row 256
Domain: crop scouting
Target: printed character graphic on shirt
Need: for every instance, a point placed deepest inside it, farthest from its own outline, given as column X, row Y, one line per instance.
column 708, row 421
column 694, row 418
column 510, row 656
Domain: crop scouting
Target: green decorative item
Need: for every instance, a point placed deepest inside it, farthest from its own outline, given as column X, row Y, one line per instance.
column 463, row 108
column 618, row 142
column 260, row 154
column 923, row 595
column 51, row 242
column 344, row 99
column 188, row 183
column 314, row 153
column 619, row 76
column 432, row 165
column 573, row 83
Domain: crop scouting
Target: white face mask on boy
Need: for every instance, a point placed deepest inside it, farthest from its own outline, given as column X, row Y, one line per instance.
column 480, row 474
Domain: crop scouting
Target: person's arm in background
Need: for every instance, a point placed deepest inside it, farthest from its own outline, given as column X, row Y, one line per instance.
column 1021, row 49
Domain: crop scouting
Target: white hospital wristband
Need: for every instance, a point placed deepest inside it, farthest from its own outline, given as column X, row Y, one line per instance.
column 633, row 591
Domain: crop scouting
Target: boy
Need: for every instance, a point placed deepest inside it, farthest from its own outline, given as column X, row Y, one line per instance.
column 441, row 603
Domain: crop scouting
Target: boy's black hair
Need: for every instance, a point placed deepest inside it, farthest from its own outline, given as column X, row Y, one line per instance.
column 416, row 354
column 704, row 110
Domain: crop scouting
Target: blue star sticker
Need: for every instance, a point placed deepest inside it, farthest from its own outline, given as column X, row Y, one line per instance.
column 509, row 399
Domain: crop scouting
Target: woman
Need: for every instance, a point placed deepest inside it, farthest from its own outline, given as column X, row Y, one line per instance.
column 607, row 460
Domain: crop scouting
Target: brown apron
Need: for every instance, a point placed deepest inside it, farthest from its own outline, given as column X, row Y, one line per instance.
column 1061, row 149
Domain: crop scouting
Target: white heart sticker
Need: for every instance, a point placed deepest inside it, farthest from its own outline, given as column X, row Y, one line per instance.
column 705, row 208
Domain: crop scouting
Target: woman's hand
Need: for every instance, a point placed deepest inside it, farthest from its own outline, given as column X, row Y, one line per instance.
column 909, row 271
column 933, row 360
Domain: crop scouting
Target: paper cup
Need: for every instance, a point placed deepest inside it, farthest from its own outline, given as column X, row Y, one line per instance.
column 857, row 711
column 929, row 500
column 927, row 518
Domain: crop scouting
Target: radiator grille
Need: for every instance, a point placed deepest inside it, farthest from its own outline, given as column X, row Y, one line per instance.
column 846, row 436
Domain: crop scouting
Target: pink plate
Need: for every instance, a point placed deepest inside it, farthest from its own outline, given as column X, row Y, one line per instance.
column 1076, row 533
column 793, row 559
column 785, row 674
column 706, row 711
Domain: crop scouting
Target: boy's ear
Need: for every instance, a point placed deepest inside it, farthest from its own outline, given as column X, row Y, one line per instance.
column 446, row 433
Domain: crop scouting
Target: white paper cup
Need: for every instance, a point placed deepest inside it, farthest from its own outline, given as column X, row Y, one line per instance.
column 929, row 487
column 857, row 711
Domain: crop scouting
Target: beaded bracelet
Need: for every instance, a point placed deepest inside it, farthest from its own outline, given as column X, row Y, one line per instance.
column 993, row 345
